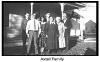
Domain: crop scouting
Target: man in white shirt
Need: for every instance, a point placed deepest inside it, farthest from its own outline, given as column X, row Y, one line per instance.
column 33, row 31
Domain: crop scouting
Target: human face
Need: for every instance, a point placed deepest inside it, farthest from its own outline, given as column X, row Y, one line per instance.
column 58, row 19
column 47, row 15
column 42, row 19
column 51, row 19
column 26, row 15
column 33, row 16
column 64, row 16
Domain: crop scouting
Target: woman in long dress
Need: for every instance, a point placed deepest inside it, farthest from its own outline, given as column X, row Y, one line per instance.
column 61, row 29
column 42, row 37
column 51, row 30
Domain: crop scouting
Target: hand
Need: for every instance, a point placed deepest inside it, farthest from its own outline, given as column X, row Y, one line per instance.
column 38, row 35
column 27, row 35
column 65, row 27
column 47, row 36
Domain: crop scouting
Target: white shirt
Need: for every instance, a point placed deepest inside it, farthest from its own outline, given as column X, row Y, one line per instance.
column 31, row 26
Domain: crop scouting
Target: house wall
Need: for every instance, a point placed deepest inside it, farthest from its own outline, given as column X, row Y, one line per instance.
column 90, row 27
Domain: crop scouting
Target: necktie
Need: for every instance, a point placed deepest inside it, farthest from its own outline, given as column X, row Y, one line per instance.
column 34, row 25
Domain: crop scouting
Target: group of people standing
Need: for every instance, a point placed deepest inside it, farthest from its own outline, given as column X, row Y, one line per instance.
column 47, row 33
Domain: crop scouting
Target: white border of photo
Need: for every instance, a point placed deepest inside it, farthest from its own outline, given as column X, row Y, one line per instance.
column 38, row 58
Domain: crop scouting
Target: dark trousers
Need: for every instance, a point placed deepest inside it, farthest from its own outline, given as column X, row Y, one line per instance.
column 67, row 38
column 24, row 37
column 67, row 42
column 32, row 35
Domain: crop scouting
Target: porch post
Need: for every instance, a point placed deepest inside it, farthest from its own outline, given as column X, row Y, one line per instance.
column 31, row 9
column 62, row 9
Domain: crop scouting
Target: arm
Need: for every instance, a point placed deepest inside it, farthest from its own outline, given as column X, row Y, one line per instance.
column 27, row 27
column 46, row 28
column 39, row 27
column 57, row 31
column 69, row 24
column 63, row 27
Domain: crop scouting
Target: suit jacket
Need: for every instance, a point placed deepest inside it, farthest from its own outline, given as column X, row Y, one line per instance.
column 68, row 24
column 23, row 25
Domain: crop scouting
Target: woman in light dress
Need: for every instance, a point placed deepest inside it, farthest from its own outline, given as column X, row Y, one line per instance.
column 61, row 29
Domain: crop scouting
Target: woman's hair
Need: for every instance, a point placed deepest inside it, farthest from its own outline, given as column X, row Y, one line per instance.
column 61, row 21
column 37, row 16
column 44, row 19
column 68, row 15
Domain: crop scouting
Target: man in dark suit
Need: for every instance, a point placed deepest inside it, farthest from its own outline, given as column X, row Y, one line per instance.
column 68, row 25
column 24, row 36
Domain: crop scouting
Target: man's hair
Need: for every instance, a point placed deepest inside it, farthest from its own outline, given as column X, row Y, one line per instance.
column 47, row 13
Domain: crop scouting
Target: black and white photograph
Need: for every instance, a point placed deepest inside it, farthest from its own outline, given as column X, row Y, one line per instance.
column 50, row 28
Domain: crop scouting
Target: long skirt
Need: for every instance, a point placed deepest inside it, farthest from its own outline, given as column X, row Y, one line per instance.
column 42, row 40
column 62, row 42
